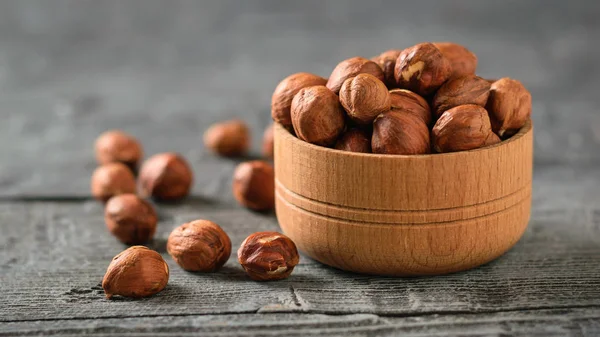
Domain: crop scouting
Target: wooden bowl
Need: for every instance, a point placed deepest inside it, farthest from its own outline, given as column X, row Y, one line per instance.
column 403, row 215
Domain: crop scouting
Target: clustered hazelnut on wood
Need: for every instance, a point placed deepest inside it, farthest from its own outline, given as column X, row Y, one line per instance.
column 425, row 98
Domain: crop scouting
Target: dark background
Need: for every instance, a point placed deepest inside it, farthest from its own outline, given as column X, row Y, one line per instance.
column 165, row 70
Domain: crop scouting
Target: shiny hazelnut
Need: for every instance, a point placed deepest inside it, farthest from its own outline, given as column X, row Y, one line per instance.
column 281, row 101
column 130, row 219
column 268, row 145
column 228, row 139
column 112, row 179
column 403, row 100
column 118, row 147
column 364, row 97
column 509, row 106
column 422, row 69
column 254, row 185
column 457, row 91
column 462, row 60
column 317, row 115
column 387, row 62
column 268, row 256
column 396, row 132
column 166, row 176
column 200, row 245
column 354, row 140
column 463, row 128
column 350, row 68
column 136, row 272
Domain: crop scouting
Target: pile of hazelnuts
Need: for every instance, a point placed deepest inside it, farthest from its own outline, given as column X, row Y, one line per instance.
column 423, row 99
column 197, row 246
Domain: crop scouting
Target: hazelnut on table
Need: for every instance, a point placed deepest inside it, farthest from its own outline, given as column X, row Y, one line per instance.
column 228, row 139
column 130, row 219
column 112, row 179
column 268, row 145
column 268, row 256
column 165, row 176
column 254, row 185
column 118, row 147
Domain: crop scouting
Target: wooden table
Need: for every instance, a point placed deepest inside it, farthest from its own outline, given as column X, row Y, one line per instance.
column 165, row 70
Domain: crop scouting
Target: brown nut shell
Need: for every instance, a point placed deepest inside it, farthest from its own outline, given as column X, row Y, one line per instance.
column 112, row 179
column 354, row 140
column 254, row 185
column 387, row 62
column 136, row 272
column 118, row 147
column 281, row 101
column 462, row 60
column 166, row 176
column 268, row 142
column 317, row 116
column 457, row 91
column 422, row 69
column 403, row 100
column 130, row 219
column 463, row 128
column 268, row 256
column 350, row 68
column 509, row 106
column 200, row 245
column 400, row 133
column 228, row 139
column 364, row 97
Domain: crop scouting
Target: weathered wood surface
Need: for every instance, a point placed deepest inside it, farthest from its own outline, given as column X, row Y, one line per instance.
column 165, row 70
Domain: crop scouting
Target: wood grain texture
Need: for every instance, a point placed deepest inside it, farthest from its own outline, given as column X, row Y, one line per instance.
column 404, row 215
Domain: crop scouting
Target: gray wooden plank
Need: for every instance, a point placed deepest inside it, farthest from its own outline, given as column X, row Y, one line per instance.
column 166, row 70
column 567, row 322
column 56, row 255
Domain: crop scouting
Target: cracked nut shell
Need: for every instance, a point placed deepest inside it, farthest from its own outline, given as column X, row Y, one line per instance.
column 136, row 272
column 462, row 128
column 254, row 185
column 422, row 69
column 387, row 62
column 268, row 256
column 354, row 140
column 116, row 146
column 509, row 106
column 165, row 176
column 403, row 100
column 112, row 179
column 462, row 60
column 400, row 133
column 350, row 68
column 200, row 245
column 130, row 219
column 228, row 139
column 364, row 97
column 468, row 89
column 281, row 101
column 317, row 115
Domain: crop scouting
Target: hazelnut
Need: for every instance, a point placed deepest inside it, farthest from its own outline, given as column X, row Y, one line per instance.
column 396, row 132
column 267, row 147
column 354, row 140
column 166, row 176
column 403, row 100
column 509, row 106
column 136, row 272
column 130, row 219
column 422, row 69
column 350, row 68
column 112, row 179
column 281, row 101
column 364, row 97
column 462, row 60
column 317, row 115
column 229, row 139
column 118, row 147
column 199, row 245
column 254, row 185
column 387, row 62
column 268, row 256
column 462, row 128
column 468, row 89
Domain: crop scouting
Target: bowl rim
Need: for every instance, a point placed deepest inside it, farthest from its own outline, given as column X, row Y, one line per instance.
column 522, row 132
